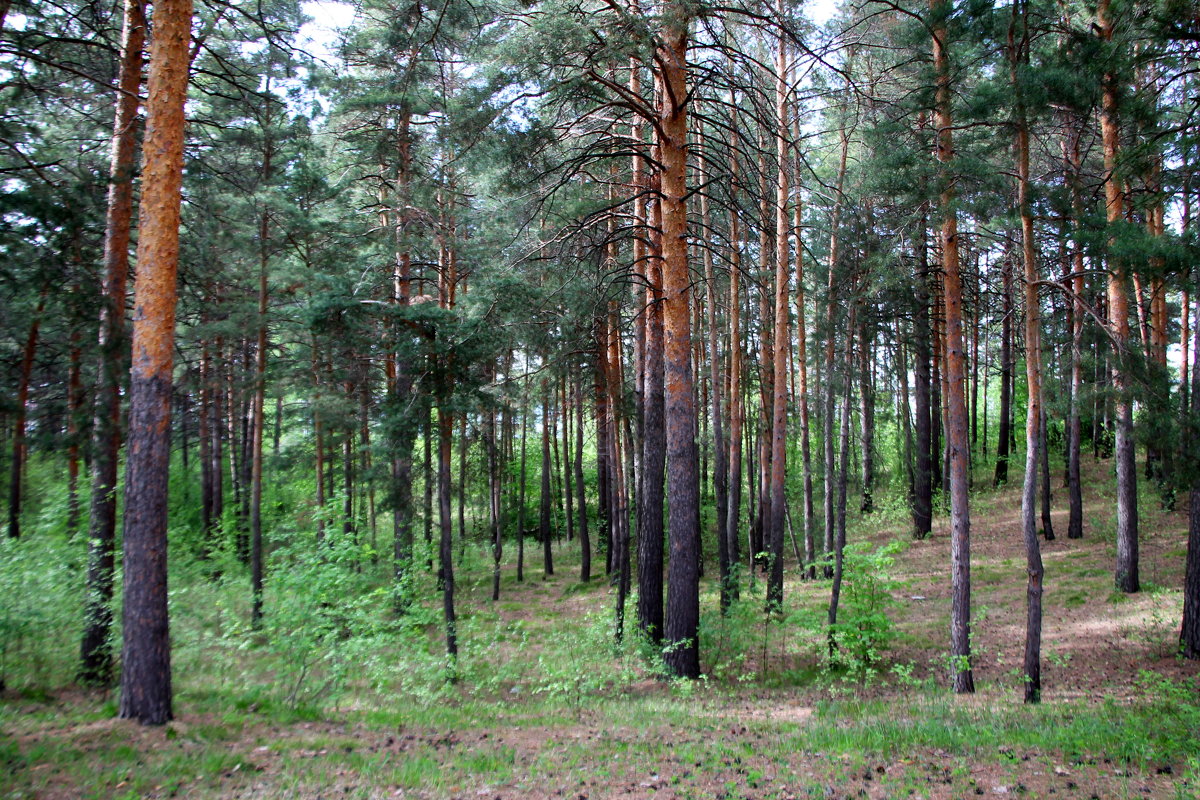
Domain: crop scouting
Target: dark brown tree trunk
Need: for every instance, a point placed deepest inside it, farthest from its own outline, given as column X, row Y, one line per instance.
column 446, row 527
column 733, row 522
column 349, row 526
column 1006, row 373
column 1046, row 493
column 234, row 449
column 956, row 414
column 618, row 495
column 905, row 413
column 585, row 542
column 401, row 385
column 922, row 506
column 544, row 525
column 604, row 505
column 839, row 543
column 521, row 499
column 494, row 504
column 1189, row 632
column 95, row 665
column 260, row 389
column 245, row 450
column 866, row 399
column 937, row 394
column 654, row 442
column 682, row 656
column 146, row 655
column 318, row 446
column 258, row 419
column 217, row 451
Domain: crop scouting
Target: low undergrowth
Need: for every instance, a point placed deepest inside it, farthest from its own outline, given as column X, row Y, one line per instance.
column 345, row 687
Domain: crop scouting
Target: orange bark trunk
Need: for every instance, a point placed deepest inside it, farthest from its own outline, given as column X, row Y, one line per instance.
column 146, row 657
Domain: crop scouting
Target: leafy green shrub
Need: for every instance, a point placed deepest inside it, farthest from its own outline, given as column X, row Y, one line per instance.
column 41, row 610
column 863, row 632
column 589, row 661
column 325, row 623
column 729, row 641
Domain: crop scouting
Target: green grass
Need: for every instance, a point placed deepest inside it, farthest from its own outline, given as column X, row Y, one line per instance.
column 626, row 738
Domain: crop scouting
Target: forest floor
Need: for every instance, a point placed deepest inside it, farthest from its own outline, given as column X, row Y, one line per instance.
column 1120, row 716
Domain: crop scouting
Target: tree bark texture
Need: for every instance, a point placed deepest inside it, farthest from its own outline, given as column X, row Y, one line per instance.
column 654, row 442
column 922, row 506
column 146, row 654
column 95, row 662
column 446, row 528
column 1189, row 632
column 585, row 542
column 544, row 523
column 1074, row 432
column 682, row 656
column 956, row 411
column 736, row 413
column 1126, row 573
column 1034, row 414
column 782, row 338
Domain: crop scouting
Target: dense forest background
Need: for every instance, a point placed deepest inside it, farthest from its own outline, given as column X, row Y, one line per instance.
column 720, row 319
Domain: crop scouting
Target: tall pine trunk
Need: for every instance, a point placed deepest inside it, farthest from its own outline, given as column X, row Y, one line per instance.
column 585, row 542
column 654, row 442
column 830, row 351
column 1126, row 572
column 1074, row 432
column 682, row 656
column 1189, row 632
column 146, row 654
column 866, row 418
column 782, row 338
column 95, row 662
column 1018, row 50
column 736, row 416
column 810, row 550
column 922, row 505
column 720, row 454
column 956, row 412
column 521, row 498
column 544, row 522
column 1006, row 373
column 445, row 428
